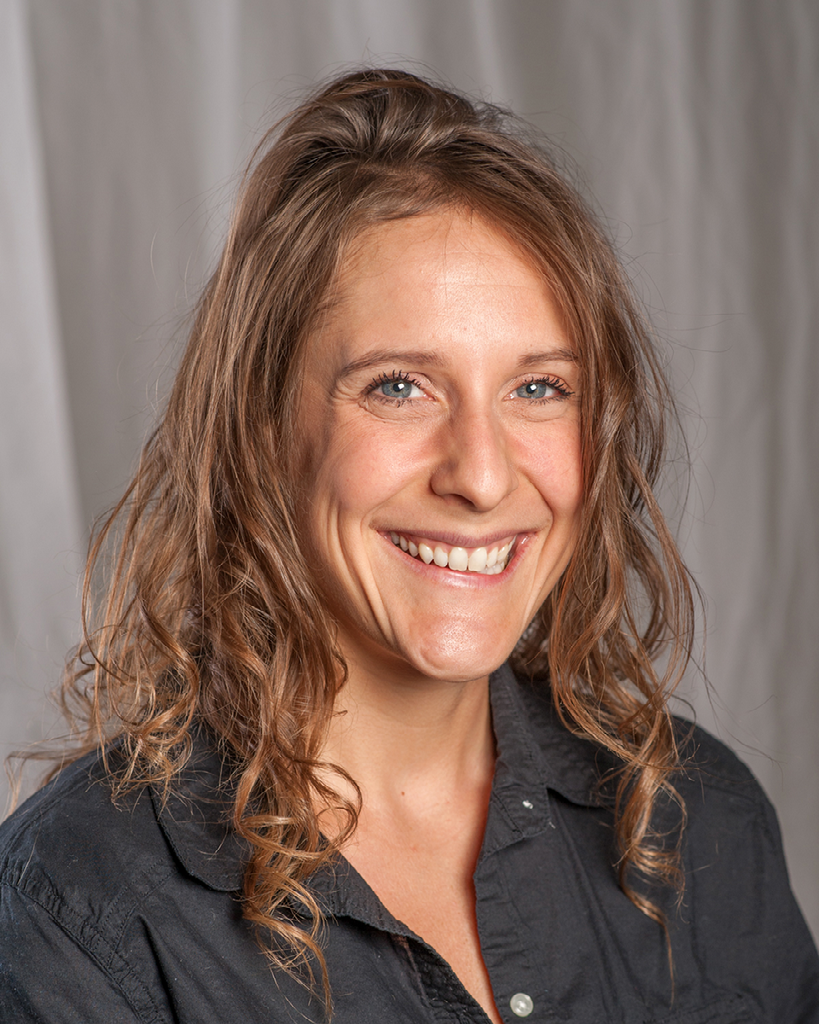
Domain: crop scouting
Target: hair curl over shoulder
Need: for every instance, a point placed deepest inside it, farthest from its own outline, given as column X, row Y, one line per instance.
column 210, row 613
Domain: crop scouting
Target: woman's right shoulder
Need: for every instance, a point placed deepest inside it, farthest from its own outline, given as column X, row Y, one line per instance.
column 75, row 867
column 73, row 833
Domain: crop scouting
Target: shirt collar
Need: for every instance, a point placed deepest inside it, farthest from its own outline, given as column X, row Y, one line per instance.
column 533, row 741
column 195, row 818
column 536, row 754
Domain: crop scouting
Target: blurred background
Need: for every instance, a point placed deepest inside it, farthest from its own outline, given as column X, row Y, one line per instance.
column 695, row 127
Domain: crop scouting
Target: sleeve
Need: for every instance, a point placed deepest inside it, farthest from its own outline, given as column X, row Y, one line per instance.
column 792, row 991
column 48, row 976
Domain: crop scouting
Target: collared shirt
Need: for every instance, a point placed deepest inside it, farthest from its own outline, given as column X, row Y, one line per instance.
column 131, row 912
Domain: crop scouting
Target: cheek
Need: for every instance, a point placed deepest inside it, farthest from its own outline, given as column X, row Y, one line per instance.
column 556, row 470
column 350, row 470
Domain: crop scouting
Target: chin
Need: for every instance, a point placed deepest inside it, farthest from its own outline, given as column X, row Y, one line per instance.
column 459, row 654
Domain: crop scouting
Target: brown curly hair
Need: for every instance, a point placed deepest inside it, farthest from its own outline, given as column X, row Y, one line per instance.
column 209, row 613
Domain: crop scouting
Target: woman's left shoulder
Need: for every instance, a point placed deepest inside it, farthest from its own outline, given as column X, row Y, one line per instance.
column 737, row 896
column 720, row 793
column 708, row 766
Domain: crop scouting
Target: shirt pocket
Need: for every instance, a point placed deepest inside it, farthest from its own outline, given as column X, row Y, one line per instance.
column 727, row 1010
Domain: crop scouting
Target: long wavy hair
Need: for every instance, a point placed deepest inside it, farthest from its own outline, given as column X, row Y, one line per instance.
column 199, row 607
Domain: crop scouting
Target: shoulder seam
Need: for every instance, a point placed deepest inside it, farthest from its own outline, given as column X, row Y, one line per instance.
column 61, row 914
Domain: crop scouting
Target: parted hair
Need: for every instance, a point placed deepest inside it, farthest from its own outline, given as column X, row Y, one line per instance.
column 200, row 609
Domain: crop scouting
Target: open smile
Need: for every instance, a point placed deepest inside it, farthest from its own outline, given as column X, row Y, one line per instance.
column 489, row 561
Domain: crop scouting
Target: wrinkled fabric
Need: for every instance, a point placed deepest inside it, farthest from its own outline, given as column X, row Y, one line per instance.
column 131, row 912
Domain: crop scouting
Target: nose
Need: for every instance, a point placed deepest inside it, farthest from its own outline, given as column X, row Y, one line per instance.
column 474, row 464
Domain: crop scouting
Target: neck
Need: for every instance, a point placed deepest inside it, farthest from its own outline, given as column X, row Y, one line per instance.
column 408, row 740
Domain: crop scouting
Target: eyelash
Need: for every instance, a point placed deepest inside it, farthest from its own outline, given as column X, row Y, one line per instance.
column 390, row 378
column 563, row 391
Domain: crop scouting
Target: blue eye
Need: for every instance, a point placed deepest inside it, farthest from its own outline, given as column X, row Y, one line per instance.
column 397, row 388
column 541, row 389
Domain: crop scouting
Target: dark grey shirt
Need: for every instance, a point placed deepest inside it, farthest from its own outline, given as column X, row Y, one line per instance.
column 131, row 912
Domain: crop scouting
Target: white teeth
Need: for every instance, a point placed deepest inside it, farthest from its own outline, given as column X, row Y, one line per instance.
column 477, row 560
column 489, row 562
column 458, row 559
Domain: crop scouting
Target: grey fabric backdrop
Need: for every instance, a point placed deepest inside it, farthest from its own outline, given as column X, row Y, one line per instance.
column 124, row 123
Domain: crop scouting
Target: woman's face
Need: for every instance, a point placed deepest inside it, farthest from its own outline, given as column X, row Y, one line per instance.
column 439, row 448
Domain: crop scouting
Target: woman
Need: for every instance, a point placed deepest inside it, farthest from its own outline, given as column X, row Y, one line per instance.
column 372, row 687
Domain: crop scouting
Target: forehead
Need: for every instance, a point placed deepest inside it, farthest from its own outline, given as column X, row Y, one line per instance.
column 439, row 245
column 432, row 262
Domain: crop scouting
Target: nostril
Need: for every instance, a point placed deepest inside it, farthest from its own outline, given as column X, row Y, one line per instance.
column 477, row 471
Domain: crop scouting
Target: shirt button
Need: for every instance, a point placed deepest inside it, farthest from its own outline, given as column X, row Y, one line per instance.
column 521, row 1004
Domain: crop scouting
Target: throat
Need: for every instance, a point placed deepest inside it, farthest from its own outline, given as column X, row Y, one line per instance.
column 412, row 744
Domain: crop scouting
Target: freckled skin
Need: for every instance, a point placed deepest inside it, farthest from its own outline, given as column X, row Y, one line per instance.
column 458, row 450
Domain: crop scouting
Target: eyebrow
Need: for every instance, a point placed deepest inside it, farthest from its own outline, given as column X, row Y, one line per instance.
column 423, row 357
column 557, row 355
column 419, row 357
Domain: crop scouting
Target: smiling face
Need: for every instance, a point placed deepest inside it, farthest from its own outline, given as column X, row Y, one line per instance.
column 439, row 448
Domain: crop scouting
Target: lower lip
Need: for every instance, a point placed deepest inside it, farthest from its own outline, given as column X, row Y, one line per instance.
column 454, row 578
